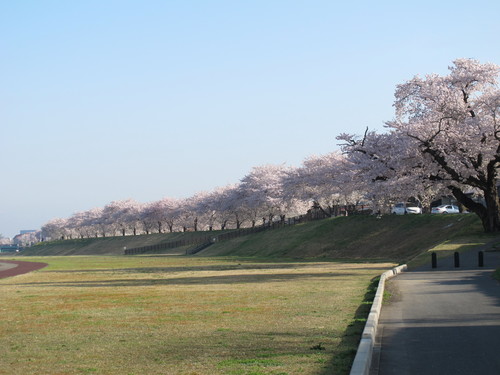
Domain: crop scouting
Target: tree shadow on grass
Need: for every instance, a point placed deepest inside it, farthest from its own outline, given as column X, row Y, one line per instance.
column 215, row 267
column 341, row 362
column 218, row 267
column 191, row 280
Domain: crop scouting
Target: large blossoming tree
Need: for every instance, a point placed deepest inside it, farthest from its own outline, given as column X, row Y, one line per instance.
column 446, row 131
column 455, row 123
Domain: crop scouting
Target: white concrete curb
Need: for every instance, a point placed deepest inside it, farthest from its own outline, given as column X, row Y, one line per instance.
column 362, row 361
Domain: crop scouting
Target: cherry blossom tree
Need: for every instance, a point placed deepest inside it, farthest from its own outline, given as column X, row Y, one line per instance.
column 187, row 212
column 248, row 207
column 164, row 212
column 234, row 204
column 206, row 208
column 222, row 207
column 77, row 224
column 386, row 167
column 263, row 194
column 148, row 216
column 262, row 190
column 200, row 210
column 454, row 123
column 445, row 137
column 55, row 229
column 95, row 222
column 321, row 181
column 133, row 217
column 120, row 215
column 5, row 240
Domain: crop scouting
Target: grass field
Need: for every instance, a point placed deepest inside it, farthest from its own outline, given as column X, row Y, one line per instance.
column 277, row 302
column 178, row 315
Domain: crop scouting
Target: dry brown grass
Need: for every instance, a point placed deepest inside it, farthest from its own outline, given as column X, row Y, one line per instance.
column 168, row 315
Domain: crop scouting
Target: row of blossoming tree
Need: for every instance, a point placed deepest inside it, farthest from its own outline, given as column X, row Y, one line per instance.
column 444, row 140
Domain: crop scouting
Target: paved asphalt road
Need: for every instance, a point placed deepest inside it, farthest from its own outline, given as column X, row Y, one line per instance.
column 442, row 321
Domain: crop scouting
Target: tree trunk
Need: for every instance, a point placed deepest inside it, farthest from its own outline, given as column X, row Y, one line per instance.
column 489, row 215
column 323, row 210
column 491, row 223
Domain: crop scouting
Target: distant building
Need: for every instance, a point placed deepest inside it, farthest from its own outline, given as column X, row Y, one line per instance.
column 27, row 231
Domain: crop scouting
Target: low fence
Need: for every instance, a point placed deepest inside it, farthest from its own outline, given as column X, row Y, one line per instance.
column 234, row 233
column 199, row 248
column 168, row 245
column 201, row 240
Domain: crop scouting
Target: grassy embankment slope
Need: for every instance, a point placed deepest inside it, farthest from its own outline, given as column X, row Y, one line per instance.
column 110, row 245
column 393, row 238
column 390, row 238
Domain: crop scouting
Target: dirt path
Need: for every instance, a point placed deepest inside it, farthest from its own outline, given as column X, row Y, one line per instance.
column 9, row 268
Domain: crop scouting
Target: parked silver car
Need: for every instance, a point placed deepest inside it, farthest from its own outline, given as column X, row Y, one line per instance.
column 445, row 209
column 406, row 208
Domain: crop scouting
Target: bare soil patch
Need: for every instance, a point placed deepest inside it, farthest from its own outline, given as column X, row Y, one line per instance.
column 20, row 268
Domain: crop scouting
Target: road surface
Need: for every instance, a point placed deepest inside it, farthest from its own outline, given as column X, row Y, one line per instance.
column 442, row 321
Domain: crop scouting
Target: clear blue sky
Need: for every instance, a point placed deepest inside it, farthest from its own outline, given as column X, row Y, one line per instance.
column 103, row 100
